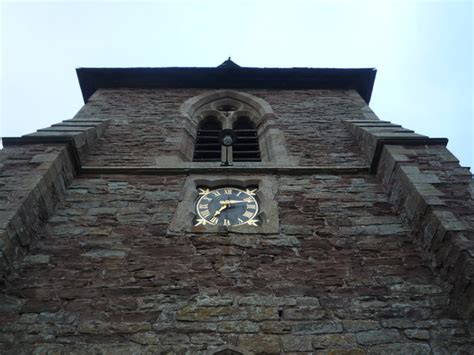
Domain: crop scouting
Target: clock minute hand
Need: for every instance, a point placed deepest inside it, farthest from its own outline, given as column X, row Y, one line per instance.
column 231, row 201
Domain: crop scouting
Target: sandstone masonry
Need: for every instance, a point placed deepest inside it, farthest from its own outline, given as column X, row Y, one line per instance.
column 373, row 254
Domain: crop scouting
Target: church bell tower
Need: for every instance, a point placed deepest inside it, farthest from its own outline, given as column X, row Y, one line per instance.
column 233, row 210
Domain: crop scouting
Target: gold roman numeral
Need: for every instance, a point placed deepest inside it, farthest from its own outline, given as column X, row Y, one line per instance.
column 252, row 222
column 251, row 192
column 226, row 222
column 214, row 220
column 248, row 214
column 248, row 199
column 200, row 221
column 204, row 206
column 205, row 213
column 251, row 206
column 228, row 191
column 203, row 191
column 216, row 193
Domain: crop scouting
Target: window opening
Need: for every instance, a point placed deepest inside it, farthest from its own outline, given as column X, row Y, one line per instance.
column 250, row 120
column 208, row 147
column 246, row 146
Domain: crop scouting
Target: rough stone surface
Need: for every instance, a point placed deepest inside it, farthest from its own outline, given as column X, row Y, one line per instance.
column 319, row 138
column 33, row 179
column 111, row 276
column 435, row 195
column 346, row 273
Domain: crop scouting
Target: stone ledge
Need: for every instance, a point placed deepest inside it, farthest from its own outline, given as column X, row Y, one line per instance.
column 203, row 168
column 373, row 135
column 81, row 137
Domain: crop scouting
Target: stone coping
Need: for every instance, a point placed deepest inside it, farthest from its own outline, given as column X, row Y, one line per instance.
column 80, row 136
column 372, row 135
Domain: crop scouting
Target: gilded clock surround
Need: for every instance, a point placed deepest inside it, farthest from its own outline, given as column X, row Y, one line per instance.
column 266, row 219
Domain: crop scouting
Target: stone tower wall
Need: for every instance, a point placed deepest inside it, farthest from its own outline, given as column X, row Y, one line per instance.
column 150, row 121
column 372, row 254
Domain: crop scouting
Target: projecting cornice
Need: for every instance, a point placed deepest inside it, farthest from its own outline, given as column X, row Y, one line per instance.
column 228, row 77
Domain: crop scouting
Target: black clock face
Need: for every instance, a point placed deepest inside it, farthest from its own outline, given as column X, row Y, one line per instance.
column 227, row 206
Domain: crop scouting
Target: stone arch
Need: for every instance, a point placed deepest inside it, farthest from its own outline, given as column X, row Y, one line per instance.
column 189, row 107
column 213, row 103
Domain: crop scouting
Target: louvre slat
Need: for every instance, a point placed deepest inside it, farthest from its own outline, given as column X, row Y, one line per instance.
column 208, row 148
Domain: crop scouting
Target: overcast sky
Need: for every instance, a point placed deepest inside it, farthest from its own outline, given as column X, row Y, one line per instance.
column 421, row 49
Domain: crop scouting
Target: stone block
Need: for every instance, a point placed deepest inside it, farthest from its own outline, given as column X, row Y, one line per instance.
column 258, row 314
column 267, row 344
column 5, row 242
column 267, row 301
column 272, row 327
column 9, row 303
column 449, row 221
column 109, row 328
column 218, row 313
column 317, row 327
column 401, row 349
column 373, row 337
column 304, row 313
column 236, row 327
column 207, row 339
column 281, row 241
column 417, row 334
column 36, row 259
column 357, row 325
column 146, row 338
column 466, row 300
column 340, row 341
column 6, row 217
column 296, row 343
column 308, row 301
column 290, row 229
column 213, row 301
column 102, row 211
column 57, row 317
column 174, row 339
column 105, row 253
column 44, row 158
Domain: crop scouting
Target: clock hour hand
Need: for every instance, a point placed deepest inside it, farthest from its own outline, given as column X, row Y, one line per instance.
column 231, row 201
column 218, row 212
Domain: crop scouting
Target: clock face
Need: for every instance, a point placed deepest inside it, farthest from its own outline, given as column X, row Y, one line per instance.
column 227, row 206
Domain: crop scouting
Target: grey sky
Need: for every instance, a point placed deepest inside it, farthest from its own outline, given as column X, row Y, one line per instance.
column 421, row 49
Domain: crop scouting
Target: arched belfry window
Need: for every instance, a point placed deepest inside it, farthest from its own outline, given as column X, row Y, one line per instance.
column 232, row 118
column 248, row 120
column 207, row 146
column 246, row 146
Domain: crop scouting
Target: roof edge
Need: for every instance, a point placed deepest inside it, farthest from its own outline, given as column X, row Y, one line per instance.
column 230, row 77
